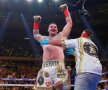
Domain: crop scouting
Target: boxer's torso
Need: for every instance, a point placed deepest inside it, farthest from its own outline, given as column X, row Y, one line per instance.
column 51, row 52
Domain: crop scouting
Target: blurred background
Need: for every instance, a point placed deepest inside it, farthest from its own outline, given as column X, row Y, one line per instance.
column 20, row 54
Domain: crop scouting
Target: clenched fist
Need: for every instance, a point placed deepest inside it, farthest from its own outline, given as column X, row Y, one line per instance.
column 63, row 7
column 37, row 19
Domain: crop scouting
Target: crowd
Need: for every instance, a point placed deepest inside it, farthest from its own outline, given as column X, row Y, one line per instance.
column 28, row 69
column 10, row 69
column 16, row 48
column 104, row 85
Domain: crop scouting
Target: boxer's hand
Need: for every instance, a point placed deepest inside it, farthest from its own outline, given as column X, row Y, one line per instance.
column 37, row 19
column 44, row 42
column 70, row 51
column 63, row 7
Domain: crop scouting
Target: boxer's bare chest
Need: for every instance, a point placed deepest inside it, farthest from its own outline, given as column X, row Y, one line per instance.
column 57, row 37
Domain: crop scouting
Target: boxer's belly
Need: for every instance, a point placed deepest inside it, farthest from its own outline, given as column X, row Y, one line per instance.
column 51, row 52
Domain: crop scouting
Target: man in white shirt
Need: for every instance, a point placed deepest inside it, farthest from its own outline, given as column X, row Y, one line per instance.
column 88, row 66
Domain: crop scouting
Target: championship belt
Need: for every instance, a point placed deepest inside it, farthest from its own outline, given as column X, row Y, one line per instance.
column 61, row 72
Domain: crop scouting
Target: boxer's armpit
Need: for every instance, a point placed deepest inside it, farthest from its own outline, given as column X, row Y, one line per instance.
column 38, row 37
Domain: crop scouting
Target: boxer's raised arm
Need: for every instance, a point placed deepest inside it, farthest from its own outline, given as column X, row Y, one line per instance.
column 67, row 28
column 36, row 34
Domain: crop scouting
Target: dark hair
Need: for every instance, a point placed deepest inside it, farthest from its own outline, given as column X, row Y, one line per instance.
column 52, row 23
column 89, row 32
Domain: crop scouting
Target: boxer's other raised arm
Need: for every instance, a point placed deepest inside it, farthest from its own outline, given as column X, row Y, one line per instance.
column 67, row 28
column 36, row 33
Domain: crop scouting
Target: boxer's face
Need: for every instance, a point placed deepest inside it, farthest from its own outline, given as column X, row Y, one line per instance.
column 52, row 29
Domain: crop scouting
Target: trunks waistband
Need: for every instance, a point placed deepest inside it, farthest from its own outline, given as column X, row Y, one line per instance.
column 52, row 63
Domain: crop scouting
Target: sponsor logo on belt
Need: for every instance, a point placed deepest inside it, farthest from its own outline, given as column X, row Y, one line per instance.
column 61, row 75
column 40, row 80
column 46, row 74
column 48, row 83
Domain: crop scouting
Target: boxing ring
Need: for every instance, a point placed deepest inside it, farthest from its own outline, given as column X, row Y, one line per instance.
column 33, row 80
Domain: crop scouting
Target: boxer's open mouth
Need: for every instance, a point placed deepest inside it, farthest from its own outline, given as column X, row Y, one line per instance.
column 53, row 30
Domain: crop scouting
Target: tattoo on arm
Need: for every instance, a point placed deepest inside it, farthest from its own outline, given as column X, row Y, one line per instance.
column 38, row 37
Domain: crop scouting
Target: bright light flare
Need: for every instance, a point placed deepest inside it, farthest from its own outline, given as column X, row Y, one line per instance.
column 29, row 0
column 40, row 1
column 56, row 0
